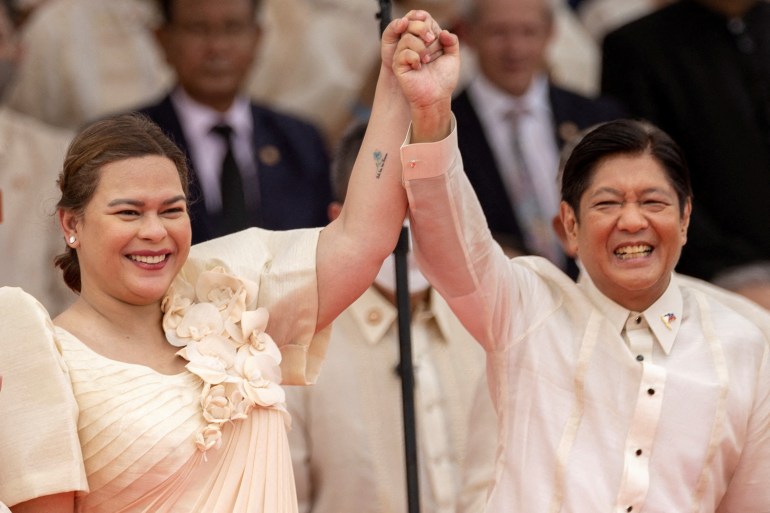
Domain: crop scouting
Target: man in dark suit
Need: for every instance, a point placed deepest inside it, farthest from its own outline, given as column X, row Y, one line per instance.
column 512, row 117
column 252, row 166
column 700, row 70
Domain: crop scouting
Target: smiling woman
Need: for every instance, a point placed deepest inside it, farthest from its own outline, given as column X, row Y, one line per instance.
column 134, row 229
column 123, row 141
column 157, row 390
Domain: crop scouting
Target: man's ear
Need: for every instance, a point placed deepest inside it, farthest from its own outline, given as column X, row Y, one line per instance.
column 685, row 224
column 569, row 225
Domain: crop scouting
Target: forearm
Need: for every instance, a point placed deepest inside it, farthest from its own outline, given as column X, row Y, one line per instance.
column 452, row 242
column 351, row 249
column 431, row 124
column 419, row 70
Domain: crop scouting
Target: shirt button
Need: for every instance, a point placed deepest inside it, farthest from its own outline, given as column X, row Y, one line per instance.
column 630, row 508
column 639, row 358
column 651, row 391
column 639, row 320
column 373, row 316
column 638, row 452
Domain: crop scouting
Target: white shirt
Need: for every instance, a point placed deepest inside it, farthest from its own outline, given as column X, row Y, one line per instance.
column 347, row 430
column 207, row 149
column 580, row 430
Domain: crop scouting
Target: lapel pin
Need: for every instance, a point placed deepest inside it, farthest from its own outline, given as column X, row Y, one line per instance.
column 668, row 319
column 269, row 155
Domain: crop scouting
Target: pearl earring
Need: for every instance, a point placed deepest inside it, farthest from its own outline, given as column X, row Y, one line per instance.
column 71, row 239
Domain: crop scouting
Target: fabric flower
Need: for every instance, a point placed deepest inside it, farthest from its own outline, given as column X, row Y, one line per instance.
column 198, row 322
column 216, row 406
column 208, row 437
column 221, row 333
column 211, row 358
column 241, row 405
column 178, row 299
column 260, row 377
column 228, row 293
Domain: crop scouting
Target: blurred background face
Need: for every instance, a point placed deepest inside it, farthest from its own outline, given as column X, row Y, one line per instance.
column 211, row 44
column 510, row 37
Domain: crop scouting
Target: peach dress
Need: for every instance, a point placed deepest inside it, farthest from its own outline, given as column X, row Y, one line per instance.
column 129, row 439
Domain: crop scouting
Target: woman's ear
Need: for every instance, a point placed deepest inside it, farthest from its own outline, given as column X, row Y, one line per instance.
column 68, row 222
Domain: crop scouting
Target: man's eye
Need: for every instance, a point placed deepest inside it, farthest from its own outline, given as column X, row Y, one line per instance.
column 655, row 204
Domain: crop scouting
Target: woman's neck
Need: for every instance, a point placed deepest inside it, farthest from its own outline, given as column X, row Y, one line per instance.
column 122, row 332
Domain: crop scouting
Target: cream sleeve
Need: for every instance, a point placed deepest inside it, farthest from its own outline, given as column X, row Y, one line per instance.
column 39, row 446
column 283, row 263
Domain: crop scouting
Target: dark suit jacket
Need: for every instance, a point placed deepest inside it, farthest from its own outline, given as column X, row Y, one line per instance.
column 293, row 169
column 572, row 113
column 706, row 82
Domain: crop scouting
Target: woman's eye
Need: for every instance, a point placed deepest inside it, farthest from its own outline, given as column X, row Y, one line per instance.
column 174, row 211
column 128, row 213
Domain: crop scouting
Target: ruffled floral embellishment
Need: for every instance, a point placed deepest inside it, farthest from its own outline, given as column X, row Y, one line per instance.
column 221, row 333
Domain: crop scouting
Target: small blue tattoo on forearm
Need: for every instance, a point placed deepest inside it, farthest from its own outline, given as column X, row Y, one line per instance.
column 379, row 161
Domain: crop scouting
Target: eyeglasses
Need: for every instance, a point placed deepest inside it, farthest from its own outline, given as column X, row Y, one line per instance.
column 235, row 31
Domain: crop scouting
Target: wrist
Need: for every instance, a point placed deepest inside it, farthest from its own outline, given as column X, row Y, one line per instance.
column 431, row 124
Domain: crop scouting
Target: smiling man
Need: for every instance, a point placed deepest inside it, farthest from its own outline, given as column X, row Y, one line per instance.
column 633, row 390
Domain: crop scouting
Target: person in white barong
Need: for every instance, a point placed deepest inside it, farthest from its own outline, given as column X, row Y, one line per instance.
column 635, row 389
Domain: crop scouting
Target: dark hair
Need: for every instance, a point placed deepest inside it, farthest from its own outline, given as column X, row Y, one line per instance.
column 167, row 9
column 98, row 144
column 623, row 137
column 344, row 157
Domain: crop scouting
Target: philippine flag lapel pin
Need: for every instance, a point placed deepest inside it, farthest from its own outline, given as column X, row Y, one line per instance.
column 668, row 319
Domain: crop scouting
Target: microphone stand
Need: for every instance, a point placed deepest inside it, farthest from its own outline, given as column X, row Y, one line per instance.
column 406, row 371
column 383, row 14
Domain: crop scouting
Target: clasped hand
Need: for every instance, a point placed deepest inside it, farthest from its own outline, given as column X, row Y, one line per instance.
column 426, row 62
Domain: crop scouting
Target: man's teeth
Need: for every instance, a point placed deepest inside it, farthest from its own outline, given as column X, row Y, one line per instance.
column 148, row 259
column 633, row 251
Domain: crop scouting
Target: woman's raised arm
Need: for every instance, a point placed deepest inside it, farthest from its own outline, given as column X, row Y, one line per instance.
column 352, row 248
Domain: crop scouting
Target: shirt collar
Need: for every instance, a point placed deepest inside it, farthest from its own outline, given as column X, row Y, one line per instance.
column 664, row 316
column 490, row 100
column 198, row 119
column 374, row 315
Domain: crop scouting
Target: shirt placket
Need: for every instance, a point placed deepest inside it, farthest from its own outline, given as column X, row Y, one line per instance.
column 432, row 422
column 645, row 419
